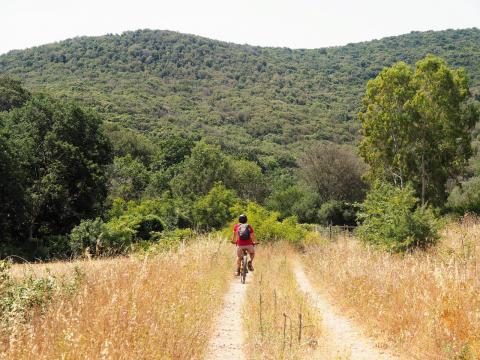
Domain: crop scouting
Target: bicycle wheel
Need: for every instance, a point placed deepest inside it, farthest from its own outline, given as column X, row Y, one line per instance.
column 244, row 268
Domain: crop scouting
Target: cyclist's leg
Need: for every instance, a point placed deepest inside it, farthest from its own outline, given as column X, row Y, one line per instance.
column 239, row 258
column 251, row 252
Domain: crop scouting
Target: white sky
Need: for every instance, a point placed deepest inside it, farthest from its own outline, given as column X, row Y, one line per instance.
column 291, row 23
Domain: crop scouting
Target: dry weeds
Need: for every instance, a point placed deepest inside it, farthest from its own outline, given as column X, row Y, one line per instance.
column 426, row 304
column 158, row 308
column 273, row 306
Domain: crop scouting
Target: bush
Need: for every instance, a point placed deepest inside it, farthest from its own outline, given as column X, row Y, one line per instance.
column 336, row 212
column 18, row 298
column 466, row 198
column 392, row 219
column 267, row 226
column 129, row 223
column 86, row 237
column 214, row 210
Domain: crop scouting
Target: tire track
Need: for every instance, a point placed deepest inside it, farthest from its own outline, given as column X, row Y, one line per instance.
column 227, row 340
column 342, row 337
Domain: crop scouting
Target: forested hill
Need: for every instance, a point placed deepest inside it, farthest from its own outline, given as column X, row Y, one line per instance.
column 264, row 98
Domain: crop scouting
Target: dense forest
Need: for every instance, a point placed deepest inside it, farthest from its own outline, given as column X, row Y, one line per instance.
column 151, row 136
column 249, row 99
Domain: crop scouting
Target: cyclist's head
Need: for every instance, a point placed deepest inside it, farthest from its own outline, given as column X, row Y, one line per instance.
column 242, row 219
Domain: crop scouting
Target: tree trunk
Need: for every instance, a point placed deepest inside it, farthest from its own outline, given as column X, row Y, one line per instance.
column 423, row 180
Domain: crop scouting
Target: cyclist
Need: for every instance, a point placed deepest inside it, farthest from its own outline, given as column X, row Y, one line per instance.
column 244, row 238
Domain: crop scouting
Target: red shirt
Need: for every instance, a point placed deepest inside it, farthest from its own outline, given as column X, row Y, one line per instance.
column 243, row 242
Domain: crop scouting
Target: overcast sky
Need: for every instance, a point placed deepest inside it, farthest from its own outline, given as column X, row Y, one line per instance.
column 291, row 23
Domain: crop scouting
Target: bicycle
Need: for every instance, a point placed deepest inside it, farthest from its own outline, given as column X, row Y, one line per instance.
column 244, row 265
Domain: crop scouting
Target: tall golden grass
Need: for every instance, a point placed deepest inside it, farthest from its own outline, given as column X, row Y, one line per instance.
column 425, row 304
column 272, row 309
column 152, row 308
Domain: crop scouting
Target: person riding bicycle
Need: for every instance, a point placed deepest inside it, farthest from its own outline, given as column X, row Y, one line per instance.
column 244, row 238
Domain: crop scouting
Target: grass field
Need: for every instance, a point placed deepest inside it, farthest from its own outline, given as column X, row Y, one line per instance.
column 273, row 309
column 426, row 304
column 153, row 308
column 423, row 305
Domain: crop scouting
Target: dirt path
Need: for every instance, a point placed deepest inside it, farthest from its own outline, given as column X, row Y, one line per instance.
column 227, row 339
column 343, row 340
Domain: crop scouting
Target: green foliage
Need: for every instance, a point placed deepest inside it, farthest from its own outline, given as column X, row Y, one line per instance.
column 19, row 298
column 267, row 225
column 295, row 200
column 466, row 198
column 254, row 100
column 214, row 210
column 336, row 212
column 392, row 219
column 86, row 237
column 62, row 155
column 12, row 94
column 11, row 193
column 334, row 172
column 405, row 110
column 284, row 201
column 128, row 179
column 128, row 142
column 199, row 172
column 173, row 150
column 248, row 180
column 129, row 223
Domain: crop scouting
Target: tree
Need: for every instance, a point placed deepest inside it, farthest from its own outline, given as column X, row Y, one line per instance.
column 12, row 205
column 63, row 155
column 129, row 142
column 12, row 94
column 128, row 178
column 248, row 180
column 336, row 212
column 416, row 126
column 206, row 166
column 392, row 219
column 214, row 210
column 173, row 150
column 334, row 172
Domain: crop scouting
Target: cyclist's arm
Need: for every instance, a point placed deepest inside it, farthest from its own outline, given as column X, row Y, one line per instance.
column 254, row 238
column 234, row 238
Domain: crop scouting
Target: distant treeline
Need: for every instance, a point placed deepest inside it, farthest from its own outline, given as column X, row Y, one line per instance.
column 250, row 100
column 63, row 170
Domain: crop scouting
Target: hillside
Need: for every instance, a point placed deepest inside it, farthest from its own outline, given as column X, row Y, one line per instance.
column 265, row 98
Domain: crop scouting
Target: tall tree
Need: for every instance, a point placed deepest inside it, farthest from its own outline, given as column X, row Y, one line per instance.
column 201, row 170
column 12, row 94
column 334, row 172
column 63, row 155
column 11, row 194
column 416, row 126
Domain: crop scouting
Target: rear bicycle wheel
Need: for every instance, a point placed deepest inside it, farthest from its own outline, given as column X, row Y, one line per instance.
column 244, row 269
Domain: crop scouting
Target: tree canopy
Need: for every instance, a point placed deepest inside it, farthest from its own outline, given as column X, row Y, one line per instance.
column 417, row 126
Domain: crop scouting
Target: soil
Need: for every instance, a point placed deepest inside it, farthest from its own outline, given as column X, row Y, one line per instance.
column 341, row 339
column 227, row 340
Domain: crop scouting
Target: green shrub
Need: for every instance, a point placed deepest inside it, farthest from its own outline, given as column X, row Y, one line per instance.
column 268, row 227
column 129, row 222
column 166, row 241
column 393, row 220
column 86, row 237
column 214, row 210
column 466, row 198
column 336, row 212
column 19, row 297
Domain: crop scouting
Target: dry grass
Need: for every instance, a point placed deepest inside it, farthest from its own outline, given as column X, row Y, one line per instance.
column 158, row 308
column 427, row 305
column 270, row 334
column 60, row 268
